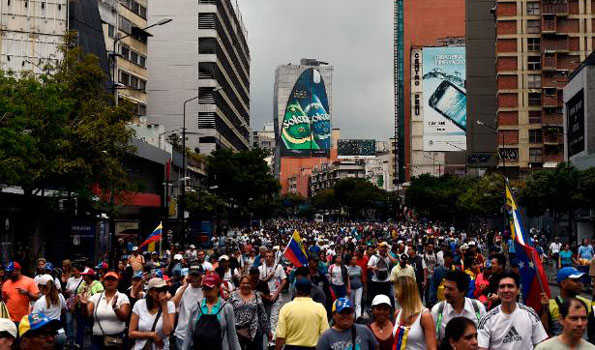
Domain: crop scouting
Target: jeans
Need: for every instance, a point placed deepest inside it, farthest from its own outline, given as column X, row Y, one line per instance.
column 69, row 318
column 340, row 291
column 179, row 343
column 356, row 299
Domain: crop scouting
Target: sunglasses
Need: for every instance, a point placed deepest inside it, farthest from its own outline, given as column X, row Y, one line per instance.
column 207, row 288
column 161, row 290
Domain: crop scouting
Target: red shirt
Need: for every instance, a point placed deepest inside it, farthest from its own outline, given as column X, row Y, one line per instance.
column 363, row 263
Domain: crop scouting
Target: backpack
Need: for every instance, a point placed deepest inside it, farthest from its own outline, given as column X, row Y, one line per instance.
column 207, row 331
column 441, row 315
column 382, row 273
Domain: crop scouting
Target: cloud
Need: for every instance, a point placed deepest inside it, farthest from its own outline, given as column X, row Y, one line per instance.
column 354, row 36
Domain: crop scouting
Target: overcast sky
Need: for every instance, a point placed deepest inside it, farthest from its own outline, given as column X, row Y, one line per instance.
column 352, row 35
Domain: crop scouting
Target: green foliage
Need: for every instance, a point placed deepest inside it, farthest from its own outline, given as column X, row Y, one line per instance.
column 324, row 200
column 356, row 194
column 483, row 197
column 60, row 130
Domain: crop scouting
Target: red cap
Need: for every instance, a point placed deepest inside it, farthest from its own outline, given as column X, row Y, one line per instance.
column 88, row 272
column 211, row 280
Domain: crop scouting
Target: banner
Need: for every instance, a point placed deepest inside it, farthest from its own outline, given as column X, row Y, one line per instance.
column 306, row 126
column 444, row 99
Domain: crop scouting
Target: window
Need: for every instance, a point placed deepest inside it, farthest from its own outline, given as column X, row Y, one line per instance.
column 133, row 82
column 551, row 92
column 535, row 136
column 111, row 31
column 8, row 3
column 533, row 26
column 534, row 117
column 59, row 7
column 125, row 78
column 43, row 5
column 134, row 7
column 533, row 9
column 534, row 62
column 142, row 61
column 533, row 44
column 535, row 155
column 142, row 85
column 125, row 51
column 142, row 109
column 134, row 57
column 26, row 4
column 142, row 11
column 534, row 81
column 535, row 99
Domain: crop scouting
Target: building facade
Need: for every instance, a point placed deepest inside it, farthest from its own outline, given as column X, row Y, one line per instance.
column 127, row 19
column 418, row 23
column 325, row 176
column 538, row 44
column 31, row 33
column 210, row 70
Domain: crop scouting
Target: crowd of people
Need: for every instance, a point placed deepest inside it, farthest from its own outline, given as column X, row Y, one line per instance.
column 376, row 285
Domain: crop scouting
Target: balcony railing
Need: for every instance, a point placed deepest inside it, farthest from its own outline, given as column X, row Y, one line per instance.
column 558, row 8
column 548, row 25
column 553, row 81
column 550, row 101
column 553, row 119
column 549, row 62
column 557, row 157
column 556, row 45
column 553, row 139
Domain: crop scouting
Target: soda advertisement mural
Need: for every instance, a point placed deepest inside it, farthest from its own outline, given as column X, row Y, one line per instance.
column 306, row 127
column 444, row 99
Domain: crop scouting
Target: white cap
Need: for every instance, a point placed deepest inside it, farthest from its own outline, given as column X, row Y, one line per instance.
column 224, row 257
column 7, row 325
column 381, row 299
column 44, row 280
column 134, row 249
column 192, row 246
column 178, row 257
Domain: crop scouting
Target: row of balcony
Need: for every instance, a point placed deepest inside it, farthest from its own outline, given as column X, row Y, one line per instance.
column 555, row 8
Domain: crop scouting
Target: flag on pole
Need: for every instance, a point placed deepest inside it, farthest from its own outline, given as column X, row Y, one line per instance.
column 533, row 278
column 155, row 236
column 295, row 252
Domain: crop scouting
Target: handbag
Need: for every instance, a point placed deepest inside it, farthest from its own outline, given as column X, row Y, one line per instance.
column 71, row 301
column 149, row 342
column 109, row 341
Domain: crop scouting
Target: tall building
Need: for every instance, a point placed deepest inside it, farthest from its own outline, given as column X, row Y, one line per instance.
column 538, row 43
column 302, row 113
column 481, row 86
column 126, row 19
column 31, row 33
column 418, row 23
column 204, row 56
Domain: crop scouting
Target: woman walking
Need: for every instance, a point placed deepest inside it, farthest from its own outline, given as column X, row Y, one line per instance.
column 414, row 325
column 356, row 284
column 250, row 316
column 51, row 303
column 152, row 318
column 109, row 311
column 382, row 327
column 339, row 278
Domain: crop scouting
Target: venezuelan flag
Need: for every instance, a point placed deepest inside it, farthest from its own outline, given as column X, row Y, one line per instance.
column 533, row 277
column 295, row 252
column 155, row 236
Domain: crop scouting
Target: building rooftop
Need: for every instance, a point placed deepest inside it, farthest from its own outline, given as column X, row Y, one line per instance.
column 589, row 61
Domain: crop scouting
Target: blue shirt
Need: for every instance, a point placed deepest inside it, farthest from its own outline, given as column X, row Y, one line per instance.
column 585, row 252
column 204, row 309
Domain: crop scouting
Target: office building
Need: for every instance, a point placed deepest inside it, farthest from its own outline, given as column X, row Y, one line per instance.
column 126, row 19
column 418, row 23
column 302, row 114
column 203, row 59
column 31, row 34
column 538, row 44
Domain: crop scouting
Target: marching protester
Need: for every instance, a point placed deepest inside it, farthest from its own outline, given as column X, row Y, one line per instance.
column 460, row 334
column 573, row 318
column 414, row 327
column 382, row 326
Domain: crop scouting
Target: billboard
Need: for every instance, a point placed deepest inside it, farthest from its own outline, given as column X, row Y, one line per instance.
column 444, row 99
column 306, row 126
column 575, row 119
column 356, row 148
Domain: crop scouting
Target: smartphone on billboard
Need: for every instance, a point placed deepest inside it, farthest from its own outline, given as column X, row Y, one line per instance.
column 450, row 101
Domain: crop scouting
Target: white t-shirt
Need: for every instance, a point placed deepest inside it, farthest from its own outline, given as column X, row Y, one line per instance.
column 207, row 266
column 335, row 274
column 555, row 247
column 275, row 281
column 189, row 300
column 384, row 264
column 145, row 323
column 53, row 311
column 104, row 313
column 72, row 283
column 448, row 313
column 520, row 330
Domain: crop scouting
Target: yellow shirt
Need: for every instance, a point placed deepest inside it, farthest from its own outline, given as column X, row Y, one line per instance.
column 399, row 271
column 301, row 322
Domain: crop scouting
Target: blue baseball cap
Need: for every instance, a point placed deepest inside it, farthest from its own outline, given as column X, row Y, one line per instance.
column 568, row 272
column 48, row 266
column 12, row 266
column 138, row 274
column 342, row 304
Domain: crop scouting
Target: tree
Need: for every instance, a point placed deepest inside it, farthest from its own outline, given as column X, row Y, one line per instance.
column 243, row 179
column 438, row 197
column 356, row 195
column 325, row 200
column 59, row 130
column 484, row 197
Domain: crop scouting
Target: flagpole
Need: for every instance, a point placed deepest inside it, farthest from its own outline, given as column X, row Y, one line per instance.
column 161, row 240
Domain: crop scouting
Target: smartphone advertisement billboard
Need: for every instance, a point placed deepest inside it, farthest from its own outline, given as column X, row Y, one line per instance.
column 306, row 126
column 444, row 99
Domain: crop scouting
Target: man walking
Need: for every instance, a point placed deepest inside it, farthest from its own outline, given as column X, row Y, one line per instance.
column 345, row 333
column 301, row 321
column 18, row 291
column 573, row 317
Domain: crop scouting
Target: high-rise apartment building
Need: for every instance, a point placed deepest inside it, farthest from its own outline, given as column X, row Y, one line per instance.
column 126, row 19
column 538, row 43
column 31, row 33
column 203, row 59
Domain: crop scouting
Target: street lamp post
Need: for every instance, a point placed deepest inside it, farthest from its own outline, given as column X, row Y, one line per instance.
column 183, row 194
column 119, row 38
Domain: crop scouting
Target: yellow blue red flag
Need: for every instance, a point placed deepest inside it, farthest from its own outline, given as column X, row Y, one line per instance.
column 295, row 252
column 154, row 237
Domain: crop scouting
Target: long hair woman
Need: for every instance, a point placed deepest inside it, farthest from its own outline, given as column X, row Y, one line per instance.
column 414, row 325
column 51, row 303
column 460, row 334
column 250, row 316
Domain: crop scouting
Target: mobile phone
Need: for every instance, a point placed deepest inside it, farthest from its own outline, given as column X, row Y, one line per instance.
column 451, row 102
